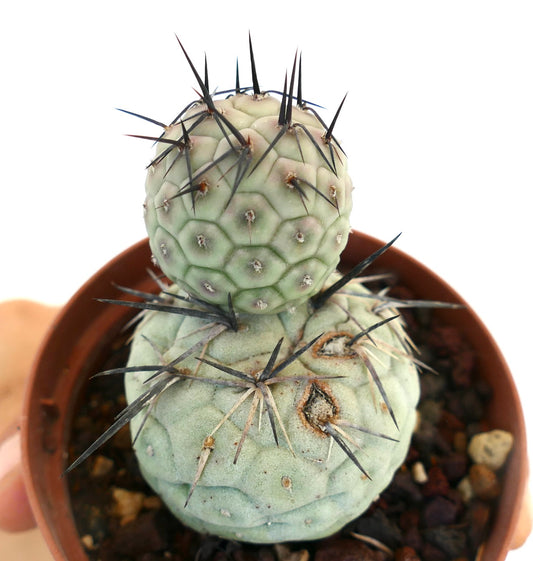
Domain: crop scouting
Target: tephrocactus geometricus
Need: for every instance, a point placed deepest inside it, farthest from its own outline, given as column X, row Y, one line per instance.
column 270, row 397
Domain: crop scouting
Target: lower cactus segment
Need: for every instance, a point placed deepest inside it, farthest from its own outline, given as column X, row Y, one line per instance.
column 283, row 429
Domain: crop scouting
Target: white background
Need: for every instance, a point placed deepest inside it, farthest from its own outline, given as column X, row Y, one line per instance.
column 438, row 125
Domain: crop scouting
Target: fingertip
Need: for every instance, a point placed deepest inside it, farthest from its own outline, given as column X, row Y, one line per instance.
column 15, row 511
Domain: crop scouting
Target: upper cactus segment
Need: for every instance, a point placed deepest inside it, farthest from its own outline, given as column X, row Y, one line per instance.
column 248, row 196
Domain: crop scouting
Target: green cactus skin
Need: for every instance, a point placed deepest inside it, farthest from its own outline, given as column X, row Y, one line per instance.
column 334, row 454
column 264, row 220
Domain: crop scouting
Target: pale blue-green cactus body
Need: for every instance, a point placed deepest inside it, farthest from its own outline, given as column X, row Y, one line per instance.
column 276, row 411
column 232, row 209
column 343, row 413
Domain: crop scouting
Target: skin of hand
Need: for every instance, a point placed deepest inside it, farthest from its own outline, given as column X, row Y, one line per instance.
column 23, row 325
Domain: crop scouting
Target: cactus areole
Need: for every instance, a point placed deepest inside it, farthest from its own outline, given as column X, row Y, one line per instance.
column 270, row 398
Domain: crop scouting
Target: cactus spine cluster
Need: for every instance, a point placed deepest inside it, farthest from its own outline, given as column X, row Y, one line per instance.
column 271, row 399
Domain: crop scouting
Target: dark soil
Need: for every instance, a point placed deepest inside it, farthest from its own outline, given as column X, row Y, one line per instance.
column 410, row 521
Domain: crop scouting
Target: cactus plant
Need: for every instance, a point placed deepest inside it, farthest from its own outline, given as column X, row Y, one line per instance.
column 270, row 398
column 249, row 196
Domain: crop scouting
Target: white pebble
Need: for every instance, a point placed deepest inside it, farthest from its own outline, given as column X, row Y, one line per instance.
column 490, row 448
column 465, row 488
column 419, row 473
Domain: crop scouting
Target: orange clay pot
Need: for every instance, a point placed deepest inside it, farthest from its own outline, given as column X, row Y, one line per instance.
column 81, row 336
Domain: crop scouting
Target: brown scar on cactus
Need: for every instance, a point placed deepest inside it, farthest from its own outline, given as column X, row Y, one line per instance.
column 340, row 344
column 319, row 411
column 334, row 345
column 317, row 407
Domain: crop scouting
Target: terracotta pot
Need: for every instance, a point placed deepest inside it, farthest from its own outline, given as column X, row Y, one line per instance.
column 80, row 338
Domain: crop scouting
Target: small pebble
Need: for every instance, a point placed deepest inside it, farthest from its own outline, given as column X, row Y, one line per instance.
column 484, row 481
column 430, row 552
column 126, row 504
column 419, row 473
column 418, row 420
column 380, row 527
column 460, row 442
column 101, row 466
column 284, row 553
column 406, row 554
column 409, row 518
column 491, row 448
column 413, row 538
column 454, row 466
column 466, row 405
column 145, row 534
column 450, row 540
column 446, row 340
column 437, row 483
column 404, row 487
column 439, row 511
column 465, row 488
column 478, row 518
column 88, row 542
column 450, row 421
column 463, row 368
column 448, row 425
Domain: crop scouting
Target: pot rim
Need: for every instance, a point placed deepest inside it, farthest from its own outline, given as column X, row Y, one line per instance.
column 42, row 455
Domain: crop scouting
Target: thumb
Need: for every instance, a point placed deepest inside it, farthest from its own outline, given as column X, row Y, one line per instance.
column 15, row 511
